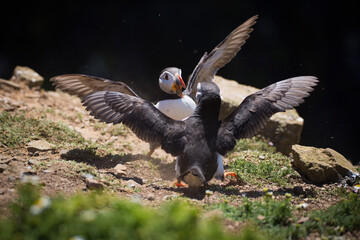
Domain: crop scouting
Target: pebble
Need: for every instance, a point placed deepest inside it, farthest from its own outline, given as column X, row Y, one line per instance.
column 3, row 167
column 151, row 196
column 132, row 184
column 120, row 170
column 33, row 162
column 93, row 184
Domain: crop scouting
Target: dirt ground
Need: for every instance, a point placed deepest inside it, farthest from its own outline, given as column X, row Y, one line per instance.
column 145, row 179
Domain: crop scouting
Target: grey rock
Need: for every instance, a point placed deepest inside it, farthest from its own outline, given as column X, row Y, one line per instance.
column 321, row 165
column 283, row 129
column 27, row 76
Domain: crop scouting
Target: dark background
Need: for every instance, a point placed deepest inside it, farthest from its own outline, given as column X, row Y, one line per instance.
column 133, row 41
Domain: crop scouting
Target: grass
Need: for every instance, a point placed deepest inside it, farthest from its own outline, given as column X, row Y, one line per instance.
column 103, row 216
column 257, row 162
column 17, row 130
column 113, row 130
column 276, row 219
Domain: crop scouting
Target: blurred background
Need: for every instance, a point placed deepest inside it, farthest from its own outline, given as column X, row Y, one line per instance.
column 132, row 41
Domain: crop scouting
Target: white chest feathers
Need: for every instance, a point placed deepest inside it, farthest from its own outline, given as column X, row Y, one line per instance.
column 177, row 109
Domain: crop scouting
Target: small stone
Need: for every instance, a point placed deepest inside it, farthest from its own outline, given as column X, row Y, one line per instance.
column 33, row 162
column 64, row 153
column 260, row 217
column 151, row 196
column 302, row 220
column 39, row 145
column 132, row 184
column 120, row 170
column 302, row 205
column 29, row 177
column 3, row 167
column 93, row 184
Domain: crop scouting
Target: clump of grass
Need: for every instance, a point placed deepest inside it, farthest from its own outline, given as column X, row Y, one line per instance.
column 102, row 216
column 114, row 130
column 276, row 219
column 262, row 167
column 17, row 130
column 257, row 143
column 337, row 219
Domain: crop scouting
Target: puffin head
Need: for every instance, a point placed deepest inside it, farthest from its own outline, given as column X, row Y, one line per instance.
column 194, row 177
column 170, row 81
column 206, row 89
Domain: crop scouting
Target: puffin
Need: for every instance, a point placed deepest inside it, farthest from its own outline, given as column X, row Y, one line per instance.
column 177, row 104
column 198, row 140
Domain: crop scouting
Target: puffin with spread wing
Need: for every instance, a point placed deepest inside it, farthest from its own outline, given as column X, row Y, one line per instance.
column 198, row 140
column 179, row 104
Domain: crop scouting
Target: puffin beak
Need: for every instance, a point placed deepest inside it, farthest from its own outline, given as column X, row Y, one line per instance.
column 179, row 84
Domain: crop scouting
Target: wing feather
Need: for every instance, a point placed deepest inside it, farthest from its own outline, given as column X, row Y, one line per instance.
column 80, row 85
column 141, row 116
column 226, row 50
column 253, row 113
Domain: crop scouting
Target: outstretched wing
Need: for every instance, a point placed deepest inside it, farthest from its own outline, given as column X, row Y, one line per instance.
column 222, row 54
column 252, row 114
column 147, row 122
column 80, row 85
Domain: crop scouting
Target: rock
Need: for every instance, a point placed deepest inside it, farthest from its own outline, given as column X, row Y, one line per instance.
column 33, row 162
column 132, row 184
column 283, row 129
column 9, row 84
column 120, row 170
column 93, row 184
column 27, row 76
column 321, row 165
column 9, row 104
column 151, row 196
column 3, row 167
column 39, row 145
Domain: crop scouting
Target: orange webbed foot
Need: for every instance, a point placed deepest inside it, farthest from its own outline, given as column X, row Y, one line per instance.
column 178, row 184
column 233, row 174
column 232, row 181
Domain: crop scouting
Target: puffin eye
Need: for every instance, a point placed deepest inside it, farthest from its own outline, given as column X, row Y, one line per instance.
column 166, row 77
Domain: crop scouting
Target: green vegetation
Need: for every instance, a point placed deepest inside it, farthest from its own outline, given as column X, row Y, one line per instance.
column 255, row 161
column 113, row 130
column 277, row 220
column 17, row 130
column 101, row 216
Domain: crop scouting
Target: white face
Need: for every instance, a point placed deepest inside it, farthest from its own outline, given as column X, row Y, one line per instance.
column 167, row 81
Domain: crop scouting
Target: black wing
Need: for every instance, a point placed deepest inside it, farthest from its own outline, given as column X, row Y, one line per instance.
column 147, row 122
column 252, row 114
column 222, row 54
column 80, row 85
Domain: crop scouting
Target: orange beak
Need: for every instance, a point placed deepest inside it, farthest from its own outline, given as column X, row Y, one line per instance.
column 179, row 84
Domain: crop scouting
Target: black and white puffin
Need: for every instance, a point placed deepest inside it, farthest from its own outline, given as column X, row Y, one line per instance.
column 198, row 140
column 170, row 80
